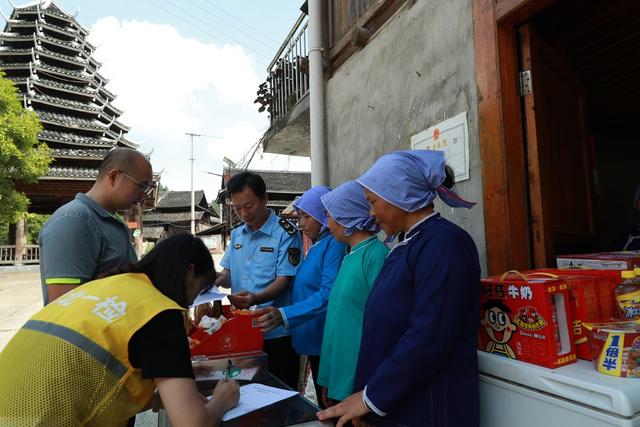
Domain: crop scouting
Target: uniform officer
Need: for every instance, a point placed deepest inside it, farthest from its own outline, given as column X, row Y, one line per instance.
column 259, row 264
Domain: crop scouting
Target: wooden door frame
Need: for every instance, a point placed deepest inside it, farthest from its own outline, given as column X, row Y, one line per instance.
column 504, row 175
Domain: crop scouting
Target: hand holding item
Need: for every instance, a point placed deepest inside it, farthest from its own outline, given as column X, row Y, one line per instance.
column 270, row 318
column 223, row 280
column 226, row 394
column 352, row 408
column 202, row 310
column 243, row 299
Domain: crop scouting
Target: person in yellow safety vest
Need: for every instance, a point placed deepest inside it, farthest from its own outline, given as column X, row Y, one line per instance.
column 94, row 356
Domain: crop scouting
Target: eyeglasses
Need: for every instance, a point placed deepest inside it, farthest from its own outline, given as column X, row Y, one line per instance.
column 145, row 188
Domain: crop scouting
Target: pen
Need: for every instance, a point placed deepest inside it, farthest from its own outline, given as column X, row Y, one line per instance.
column 227, row 372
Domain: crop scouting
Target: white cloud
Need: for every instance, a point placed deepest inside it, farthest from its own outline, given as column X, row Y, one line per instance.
column 168, row 85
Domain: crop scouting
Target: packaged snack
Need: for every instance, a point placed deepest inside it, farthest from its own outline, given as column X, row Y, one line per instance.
column 527, row 318
column 628, row 296
column 615, row 347
column 591, row 299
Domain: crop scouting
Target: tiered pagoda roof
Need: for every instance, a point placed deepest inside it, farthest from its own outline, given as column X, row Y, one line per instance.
column 44, row 50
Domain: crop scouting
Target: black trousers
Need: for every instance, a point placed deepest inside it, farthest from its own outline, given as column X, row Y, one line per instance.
column 283, row 360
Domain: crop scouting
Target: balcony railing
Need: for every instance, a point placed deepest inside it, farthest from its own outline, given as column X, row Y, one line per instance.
column 31, row 255
column 289, row 71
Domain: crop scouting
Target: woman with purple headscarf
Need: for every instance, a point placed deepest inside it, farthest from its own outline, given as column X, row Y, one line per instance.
column 417, row 364
column 312, row 285
column 349, row 222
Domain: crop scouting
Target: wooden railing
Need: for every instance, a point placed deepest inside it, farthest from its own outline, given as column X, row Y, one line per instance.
column 30, row 255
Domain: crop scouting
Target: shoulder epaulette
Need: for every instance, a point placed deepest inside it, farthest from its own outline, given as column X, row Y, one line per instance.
column 240, row 224
column 288, row 227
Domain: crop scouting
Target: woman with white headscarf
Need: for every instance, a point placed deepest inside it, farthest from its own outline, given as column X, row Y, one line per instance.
column 349, row 222
column 417, row 364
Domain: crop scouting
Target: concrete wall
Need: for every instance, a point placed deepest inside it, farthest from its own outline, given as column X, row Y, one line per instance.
column 416, row 71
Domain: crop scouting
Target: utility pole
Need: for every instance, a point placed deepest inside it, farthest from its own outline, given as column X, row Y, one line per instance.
column 193, row 197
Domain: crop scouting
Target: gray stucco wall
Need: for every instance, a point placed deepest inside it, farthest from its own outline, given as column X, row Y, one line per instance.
column 416, row 71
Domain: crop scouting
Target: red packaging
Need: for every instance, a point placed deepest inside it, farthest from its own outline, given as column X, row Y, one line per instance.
column 615, row 347
column 527, row 318
column 624, row 260
column 591, row 298
column 238, row 334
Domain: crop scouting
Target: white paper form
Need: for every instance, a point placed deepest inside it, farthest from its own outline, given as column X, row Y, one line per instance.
column 214, row 294
column 256, row 396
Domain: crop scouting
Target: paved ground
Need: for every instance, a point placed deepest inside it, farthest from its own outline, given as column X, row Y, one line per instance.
column 20, row 298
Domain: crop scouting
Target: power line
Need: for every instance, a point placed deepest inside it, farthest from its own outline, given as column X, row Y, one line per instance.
column 215, row 29
column 233, row 26
column 242, row 22
column 203, row 30
column 257, row 146
column 244, row 163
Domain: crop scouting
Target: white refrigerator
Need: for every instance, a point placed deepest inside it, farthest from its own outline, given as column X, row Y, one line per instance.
column 518, row 394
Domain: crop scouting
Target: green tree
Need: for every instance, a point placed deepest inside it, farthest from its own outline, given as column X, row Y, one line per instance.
column 4, row 232
column 22, row 156
column 34, row 224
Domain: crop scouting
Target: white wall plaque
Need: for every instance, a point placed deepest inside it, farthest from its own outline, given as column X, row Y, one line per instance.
column 452, row 137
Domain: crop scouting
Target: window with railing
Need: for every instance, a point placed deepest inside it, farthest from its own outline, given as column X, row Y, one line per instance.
column 348, row 26
column 288, row 79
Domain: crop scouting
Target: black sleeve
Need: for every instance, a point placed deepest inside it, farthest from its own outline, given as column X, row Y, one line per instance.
column 160, row 348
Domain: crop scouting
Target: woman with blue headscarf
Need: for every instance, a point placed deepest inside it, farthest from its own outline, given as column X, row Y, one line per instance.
column 349, row 222
column 313, row 282
column 417, row 364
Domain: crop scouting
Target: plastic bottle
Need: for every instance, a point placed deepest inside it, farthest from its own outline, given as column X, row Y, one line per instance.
column 628, row 296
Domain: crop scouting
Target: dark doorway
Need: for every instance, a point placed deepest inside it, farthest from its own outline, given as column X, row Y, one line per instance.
column 583, row 151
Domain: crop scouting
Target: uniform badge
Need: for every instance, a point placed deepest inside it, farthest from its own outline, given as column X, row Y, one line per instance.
column 237, row 245
column 288, row 227
column 294, row 256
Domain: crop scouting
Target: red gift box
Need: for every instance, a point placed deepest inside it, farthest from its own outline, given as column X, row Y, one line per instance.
column 238, row 334
column 591, row 298
column 527, row 318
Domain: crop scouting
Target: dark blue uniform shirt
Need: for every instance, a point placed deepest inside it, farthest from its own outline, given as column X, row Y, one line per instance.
column 418, row 350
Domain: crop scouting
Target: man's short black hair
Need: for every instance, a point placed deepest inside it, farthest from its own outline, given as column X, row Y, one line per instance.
column 240, row 181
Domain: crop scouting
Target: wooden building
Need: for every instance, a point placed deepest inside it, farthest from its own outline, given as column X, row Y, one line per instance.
column 172, row 215
column 547, row 88
column 45, row 52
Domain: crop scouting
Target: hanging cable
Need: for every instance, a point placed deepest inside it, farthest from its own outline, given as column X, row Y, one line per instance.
column 241, row 31
column 215, row 29
column 204, row 30
column 242, row 22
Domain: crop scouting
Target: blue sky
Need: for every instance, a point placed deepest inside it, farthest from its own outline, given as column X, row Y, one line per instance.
column 258, row 25
column 181, row 66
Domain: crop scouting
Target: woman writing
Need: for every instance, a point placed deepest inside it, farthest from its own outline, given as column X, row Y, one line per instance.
column 313, row 282
column 349, row 222
column 95, row 355
column 417, row 364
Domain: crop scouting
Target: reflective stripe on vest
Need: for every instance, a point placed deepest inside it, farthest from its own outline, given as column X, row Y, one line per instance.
column 81, row 342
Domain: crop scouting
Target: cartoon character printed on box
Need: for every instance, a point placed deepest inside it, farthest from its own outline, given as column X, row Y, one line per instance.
column 497, row 323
